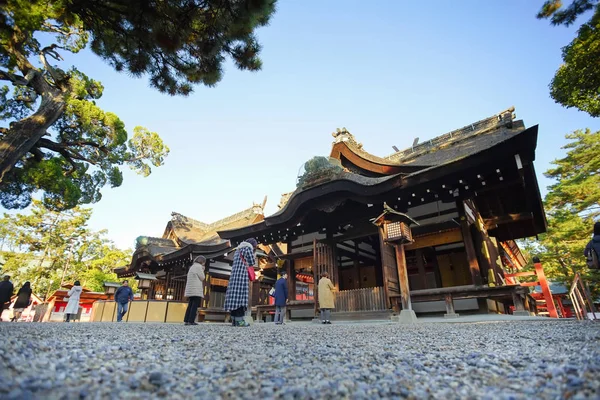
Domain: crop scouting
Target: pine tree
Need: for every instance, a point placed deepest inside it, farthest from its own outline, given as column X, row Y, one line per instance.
column 56, row 139
column 577, row 81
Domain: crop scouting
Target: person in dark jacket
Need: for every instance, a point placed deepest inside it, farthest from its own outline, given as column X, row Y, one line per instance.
column 6, row 292
column 281, row 298
column 22, row 302
column 123, row 296
column 592, row 250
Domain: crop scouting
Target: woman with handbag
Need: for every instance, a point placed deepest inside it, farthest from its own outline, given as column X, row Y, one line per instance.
column 242, row 273
column 23, row 301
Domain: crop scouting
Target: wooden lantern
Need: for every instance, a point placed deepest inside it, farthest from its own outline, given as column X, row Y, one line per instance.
column 395, row 225
column 144, row 280
column 110, row 287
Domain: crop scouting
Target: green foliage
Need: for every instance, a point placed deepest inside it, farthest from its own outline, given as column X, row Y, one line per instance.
column 317, row 169
column 56, row 140
column 571, row 206
column 577, row 81
column 45, row 246
column 578, row 180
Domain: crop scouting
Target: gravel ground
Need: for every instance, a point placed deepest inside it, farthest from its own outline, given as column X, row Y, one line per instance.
column 489, row 360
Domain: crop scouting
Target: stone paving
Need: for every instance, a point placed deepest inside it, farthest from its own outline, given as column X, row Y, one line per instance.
column 548, row 359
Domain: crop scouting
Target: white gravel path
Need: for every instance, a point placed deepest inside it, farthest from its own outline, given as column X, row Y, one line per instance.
column 490, row 360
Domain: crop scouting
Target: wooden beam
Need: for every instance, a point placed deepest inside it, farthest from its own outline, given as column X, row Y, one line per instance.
column 526, row 273
column 506, row 219
column 435, row 239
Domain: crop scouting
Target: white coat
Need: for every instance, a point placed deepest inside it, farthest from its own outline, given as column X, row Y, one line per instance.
column 73, row 304
column 194, row 286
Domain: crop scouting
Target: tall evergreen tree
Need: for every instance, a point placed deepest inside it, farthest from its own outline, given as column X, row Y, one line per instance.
column 572, row 205
column 577, row 81
column 48, row 248
column 55, row 138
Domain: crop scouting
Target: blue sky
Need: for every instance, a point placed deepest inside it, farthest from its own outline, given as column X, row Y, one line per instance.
column 388, row 71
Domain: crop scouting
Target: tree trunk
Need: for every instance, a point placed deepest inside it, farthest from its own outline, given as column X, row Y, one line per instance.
column 24, row 134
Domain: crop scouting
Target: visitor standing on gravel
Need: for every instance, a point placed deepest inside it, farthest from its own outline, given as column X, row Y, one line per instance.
column 592, row 250
column 281, row 297
column 236, row 297
column 23, row 301
column 326, row 289
column 73, row 304
column 123, row 296
column 194, row 289
column 6, row 292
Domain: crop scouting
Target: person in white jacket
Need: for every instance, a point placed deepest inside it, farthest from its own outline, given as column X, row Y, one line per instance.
column 73, row 304
column 194, row 289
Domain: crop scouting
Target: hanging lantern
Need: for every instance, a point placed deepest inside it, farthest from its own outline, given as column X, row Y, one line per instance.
column 396, row 225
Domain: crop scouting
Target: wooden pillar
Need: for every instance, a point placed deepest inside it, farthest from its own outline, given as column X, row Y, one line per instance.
column 49, row 310
column 471, row 253
column 389, row 270
column 291, row 280
column 450, row 313
column 519, row 307
column 469, row 245
column 403, row 277
column 539, row 271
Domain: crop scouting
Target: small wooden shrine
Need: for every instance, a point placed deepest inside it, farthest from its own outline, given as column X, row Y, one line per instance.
column 160, row 264
column 469, row 193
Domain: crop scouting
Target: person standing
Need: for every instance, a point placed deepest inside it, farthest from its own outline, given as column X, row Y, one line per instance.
column 73, row 304
column 6, row 292
column 123, row 296
column 236, row 296
column 592, row 249
column 23, row 301
column 326, row 304
column 281, row 298
column 194, row 289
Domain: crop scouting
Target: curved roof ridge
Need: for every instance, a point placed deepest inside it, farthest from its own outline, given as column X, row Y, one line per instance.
column 501, row 119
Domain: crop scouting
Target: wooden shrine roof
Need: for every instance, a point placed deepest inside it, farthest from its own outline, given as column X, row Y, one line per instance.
column 185, row 236
column 190, row 231
column 445, row 148
column 466, row 174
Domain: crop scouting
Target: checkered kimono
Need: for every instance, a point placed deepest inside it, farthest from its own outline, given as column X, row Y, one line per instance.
column 237, row 289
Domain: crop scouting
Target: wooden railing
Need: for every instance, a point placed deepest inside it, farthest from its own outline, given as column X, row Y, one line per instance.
column 367, row 299
column 581, row 299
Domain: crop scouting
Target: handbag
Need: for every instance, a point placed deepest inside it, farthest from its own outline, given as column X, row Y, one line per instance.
column 272, row 292
column 251, row 273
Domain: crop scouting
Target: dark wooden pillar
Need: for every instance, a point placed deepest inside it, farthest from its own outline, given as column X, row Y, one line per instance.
column 469, row 245
column 389, row 270
column 403, row 277
column 518, row 302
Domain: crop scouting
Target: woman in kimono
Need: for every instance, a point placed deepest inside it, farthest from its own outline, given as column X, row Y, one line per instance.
column 73, row 304
column 236, row 297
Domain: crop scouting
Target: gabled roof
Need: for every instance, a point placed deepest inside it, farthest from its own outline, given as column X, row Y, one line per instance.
column 187, row 230
column 184, row 236
column 328, row 196
column 460, row 143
